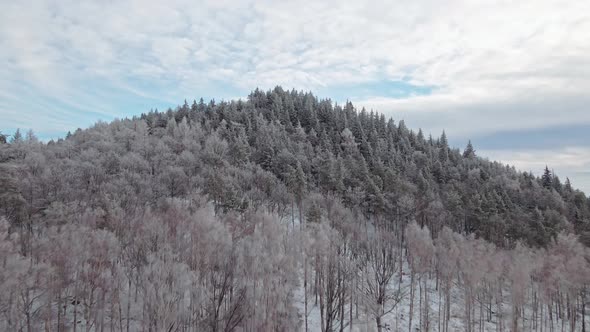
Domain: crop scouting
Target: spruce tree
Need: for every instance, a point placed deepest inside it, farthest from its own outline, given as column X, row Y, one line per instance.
column 556, row 184
column 469, row 151
column 299, row 187
column 568, row 185
column 17, row 137
column 443, row 152
column 547, row 178
column 444, row 143
column 182, row 112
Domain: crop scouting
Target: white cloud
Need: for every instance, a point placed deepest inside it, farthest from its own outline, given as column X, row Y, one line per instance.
column 470, row 114
column 572, row 162
column 496, row 64
column 571, row 158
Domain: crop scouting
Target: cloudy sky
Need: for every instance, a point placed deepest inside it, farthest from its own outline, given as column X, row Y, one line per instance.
column 512, row 76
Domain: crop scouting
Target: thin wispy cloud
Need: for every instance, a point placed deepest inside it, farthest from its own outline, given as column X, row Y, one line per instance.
column 472, row 68
column 572, row 162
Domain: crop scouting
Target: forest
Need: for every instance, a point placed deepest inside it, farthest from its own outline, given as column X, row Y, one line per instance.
column 282, row 212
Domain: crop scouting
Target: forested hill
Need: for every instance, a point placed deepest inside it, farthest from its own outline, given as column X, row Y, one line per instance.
column 282, row 213
column 277, row 151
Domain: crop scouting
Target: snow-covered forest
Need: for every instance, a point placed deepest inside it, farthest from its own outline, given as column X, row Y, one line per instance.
column 282, row 213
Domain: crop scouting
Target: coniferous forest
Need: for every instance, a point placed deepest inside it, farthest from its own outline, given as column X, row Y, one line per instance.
column 283, row 212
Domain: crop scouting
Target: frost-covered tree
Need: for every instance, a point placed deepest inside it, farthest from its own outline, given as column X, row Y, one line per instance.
column 382, row 295
column 469, row 151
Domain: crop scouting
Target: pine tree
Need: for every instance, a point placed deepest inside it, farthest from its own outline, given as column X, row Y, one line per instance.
column 276, row 106
column 568, row 185
column 420, row 137
column 299, row 185
column 239, row 147
column 314, row 212
column 422, row 182
column 202, row 107
column 357, row 129
column 182, row 112
column 366, row 151
column 171, row 126
column 194, row 111
column 308, row 114
column 556, row 184
column 444, row 143
column 349, row 145
column 443, row 152
column 469, row 151
column 547, row 178
column 438, row 172
column 17, row 137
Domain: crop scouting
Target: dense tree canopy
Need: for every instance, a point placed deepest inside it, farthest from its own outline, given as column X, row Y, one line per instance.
column 195, row 198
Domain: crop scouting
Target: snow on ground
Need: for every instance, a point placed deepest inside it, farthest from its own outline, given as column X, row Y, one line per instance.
column 398, row 320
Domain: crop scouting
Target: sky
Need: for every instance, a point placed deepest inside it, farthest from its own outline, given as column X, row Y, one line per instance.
column 512, row 76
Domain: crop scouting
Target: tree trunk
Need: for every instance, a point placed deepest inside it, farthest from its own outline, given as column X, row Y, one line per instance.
column 59, row 306
column 420, row 302
column 468, row 300
column 411, row 301
column 448, row 305
column 128, row 304
column 426, row 307
column 515, row 316
column 321, row 304
column 305, row 289
column 342, row 301
column 499, row 314
column 439, row 309
column 75, row 303
column 584, row 310
column 351, row 300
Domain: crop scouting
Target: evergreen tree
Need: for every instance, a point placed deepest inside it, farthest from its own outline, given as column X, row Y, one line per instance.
column 568, row 186
column 420, row 136
column 469, row 152
column 444, row 143
column 308, row 114
column 276, row 106
column 17, row 137
column 547, row 178
column 439, row 172
column 314, row 212
column 298, row 186
column 239, row 148
column 202, row 107
column 556, row 184
column 357, row 129
column 443, row 152
column 182, row 112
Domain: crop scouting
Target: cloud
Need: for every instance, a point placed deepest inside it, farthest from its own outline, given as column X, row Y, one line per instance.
column 550, row 138
column 476, row 53
column 572, row 162
column 468, row 114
